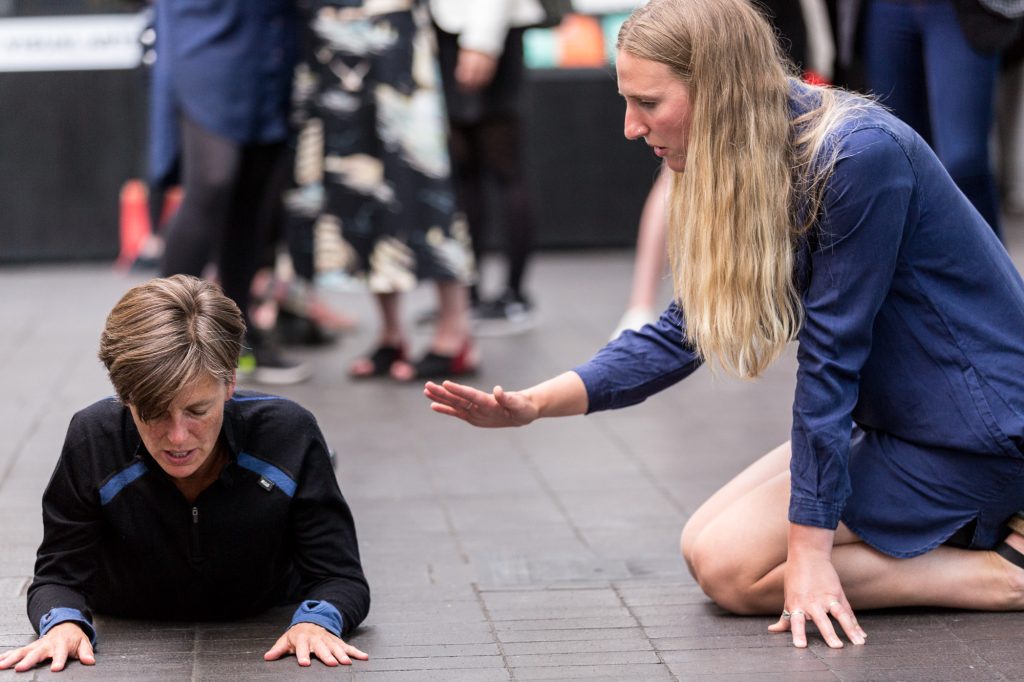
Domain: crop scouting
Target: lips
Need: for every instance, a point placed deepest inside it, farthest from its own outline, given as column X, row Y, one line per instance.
column 178, row 456
column 660, row 152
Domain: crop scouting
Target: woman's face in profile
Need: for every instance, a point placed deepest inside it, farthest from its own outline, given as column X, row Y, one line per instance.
column 183, row 439
column 657, row 107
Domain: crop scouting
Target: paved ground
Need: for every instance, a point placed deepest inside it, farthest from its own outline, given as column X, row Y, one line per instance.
column 540, row 553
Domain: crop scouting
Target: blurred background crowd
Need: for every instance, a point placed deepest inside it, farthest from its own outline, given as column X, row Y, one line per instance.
column 289, row 147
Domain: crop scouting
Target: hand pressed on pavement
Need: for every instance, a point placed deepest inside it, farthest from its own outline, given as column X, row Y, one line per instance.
column 813, row 591
column 307, row 639
column 61, row 642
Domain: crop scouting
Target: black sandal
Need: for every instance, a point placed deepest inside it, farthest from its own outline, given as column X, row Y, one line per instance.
column 1010, row 554
column 1016, row 524
column 437, row 366
column 381, row 359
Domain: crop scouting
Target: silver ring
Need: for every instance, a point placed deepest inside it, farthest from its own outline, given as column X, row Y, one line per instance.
column 834, row 602
column 798, row 612
column 786, row 614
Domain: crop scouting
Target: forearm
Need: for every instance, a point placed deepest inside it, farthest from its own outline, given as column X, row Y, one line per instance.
column 562, row 396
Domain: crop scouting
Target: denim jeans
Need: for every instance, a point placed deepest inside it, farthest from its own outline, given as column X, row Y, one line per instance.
column 919, row 64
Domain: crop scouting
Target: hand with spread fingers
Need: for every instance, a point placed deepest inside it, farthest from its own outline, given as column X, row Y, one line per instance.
column 61, row 642
column 813, row 593
column 307, row 639
column 488, row 410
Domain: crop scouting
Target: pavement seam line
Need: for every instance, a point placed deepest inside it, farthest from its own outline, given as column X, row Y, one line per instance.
column 494, row 631
column 629, row 610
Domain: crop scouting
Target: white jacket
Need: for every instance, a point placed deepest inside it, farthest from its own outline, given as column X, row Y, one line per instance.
column 482, row 24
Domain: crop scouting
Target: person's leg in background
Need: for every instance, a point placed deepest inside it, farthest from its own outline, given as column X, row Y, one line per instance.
column 893, row 49
column 246, row 237
column 210, row 168
column 919, row 63
column 961, row 102
column 468, row 180
column 651, row 259
column 1010, row 129
column 486, row 147
column 499, row 142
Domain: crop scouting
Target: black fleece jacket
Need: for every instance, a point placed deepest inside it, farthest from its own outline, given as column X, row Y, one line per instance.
column 119, row 537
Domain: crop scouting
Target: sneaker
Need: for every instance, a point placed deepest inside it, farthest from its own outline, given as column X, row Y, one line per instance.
column 507, row 314
column 303, row 330
column 262, row 363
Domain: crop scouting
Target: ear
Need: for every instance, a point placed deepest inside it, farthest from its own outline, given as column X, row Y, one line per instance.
column 231, row 387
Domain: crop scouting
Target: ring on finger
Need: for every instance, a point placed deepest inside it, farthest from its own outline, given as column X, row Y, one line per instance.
column 786, row 615
column 834, row 602
column 798, row 612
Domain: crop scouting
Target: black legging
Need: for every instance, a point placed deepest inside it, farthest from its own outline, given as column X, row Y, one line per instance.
column 493, row 147
column 231, row 193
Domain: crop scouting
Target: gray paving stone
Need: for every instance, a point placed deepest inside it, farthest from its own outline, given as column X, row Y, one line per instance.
column 630, row 671
column 572, row 660
column 527, row 554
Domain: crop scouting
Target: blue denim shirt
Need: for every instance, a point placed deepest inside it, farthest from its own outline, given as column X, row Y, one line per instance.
column 914, row 321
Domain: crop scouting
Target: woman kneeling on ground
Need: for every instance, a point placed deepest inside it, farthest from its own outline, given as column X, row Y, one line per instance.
column 808, row 213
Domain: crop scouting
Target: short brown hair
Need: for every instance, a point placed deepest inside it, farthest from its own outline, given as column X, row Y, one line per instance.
column 166, row 333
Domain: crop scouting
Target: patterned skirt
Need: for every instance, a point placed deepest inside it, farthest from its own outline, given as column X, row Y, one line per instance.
column 372, row 82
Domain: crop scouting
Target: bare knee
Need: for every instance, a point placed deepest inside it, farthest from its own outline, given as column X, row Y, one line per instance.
column 722, row 573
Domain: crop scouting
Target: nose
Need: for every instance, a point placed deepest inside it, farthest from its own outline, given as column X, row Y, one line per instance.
column 177, row 430
column 633, row 127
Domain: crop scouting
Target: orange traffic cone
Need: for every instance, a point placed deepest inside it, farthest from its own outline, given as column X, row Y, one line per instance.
column 134, row 222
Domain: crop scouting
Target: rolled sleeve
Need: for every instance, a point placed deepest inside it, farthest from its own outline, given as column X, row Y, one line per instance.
column 60, row 615
column 320, row 613
column 638, row 364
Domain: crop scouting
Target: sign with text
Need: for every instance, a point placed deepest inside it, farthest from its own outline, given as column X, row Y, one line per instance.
column 71, row 43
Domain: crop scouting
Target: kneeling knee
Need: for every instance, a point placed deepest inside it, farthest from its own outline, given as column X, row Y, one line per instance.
column 721, row 575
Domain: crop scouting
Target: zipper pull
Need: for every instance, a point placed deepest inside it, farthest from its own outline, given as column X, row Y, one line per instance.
column 195, row 515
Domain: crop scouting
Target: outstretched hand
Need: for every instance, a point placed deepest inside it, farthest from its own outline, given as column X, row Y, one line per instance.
column 308, row 639
column 61, row 642
column 488, row 410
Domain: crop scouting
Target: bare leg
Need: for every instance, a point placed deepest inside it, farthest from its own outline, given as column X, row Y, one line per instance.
column 650, row 260
column 453, row 323
column 391, row 332
column 452, row 333
column 735, row 546
column 649, row 264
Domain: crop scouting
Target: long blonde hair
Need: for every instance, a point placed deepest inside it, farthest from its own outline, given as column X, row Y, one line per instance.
column 750, row 170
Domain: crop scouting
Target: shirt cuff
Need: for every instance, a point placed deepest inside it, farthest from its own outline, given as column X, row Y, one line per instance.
column 61, row 614
column 813, row 513
column 320, row 613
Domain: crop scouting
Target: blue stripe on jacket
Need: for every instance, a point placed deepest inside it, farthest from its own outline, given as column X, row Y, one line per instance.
column 269, row 472
column 121, row 479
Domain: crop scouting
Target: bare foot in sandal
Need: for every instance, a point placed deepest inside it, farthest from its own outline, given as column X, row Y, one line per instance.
column 379, row 363
column 436, row 365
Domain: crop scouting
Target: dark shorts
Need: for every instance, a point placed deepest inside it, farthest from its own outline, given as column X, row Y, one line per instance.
column 908, row 499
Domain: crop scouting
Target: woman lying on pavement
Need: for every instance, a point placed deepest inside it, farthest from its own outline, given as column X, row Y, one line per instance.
column 181, row 499
column 807, row 213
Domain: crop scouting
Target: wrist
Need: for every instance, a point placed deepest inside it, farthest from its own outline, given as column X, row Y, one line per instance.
column 810, row 542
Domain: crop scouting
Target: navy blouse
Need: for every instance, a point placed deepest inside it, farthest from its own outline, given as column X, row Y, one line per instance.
column 914, row 321
column 227, row 65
